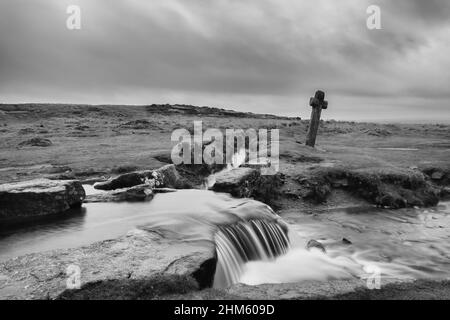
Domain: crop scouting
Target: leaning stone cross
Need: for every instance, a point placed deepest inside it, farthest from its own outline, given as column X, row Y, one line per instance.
column 317, row 103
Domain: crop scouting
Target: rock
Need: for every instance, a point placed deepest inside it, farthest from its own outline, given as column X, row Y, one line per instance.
column 237, row 181
column 315, row 244
column 136, row 193
column 245, row 182
column 164, row 177
column 139, row 258
column 39, row 197
column 36, row 142
column 169, row 177
column 437, row 175
column 346, row 241
column 126, row 180
column 387, row 187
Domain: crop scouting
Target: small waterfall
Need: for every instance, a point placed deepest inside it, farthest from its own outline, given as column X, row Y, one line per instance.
column 246, row 241
column 237, row 160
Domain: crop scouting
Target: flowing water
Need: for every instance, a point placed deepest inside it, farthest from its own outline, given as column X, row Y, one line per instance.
column 253, row 245
column 237, row 244
column 396, row 244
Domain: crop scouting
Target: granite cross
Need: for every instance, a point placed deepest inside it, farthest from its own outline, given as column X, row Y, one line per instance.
column 317, row 103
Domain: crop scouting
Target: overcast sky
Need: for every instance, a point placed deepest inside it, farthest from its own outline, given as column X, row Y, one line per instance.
column 265, row 56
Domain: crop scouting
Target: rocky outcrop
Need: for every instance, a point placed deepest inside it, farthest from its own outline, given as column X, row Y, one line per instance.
column 245, row 182
column 136, row 260
column 39, row 198
column 164, row 177
column 393, row 188
column 136, row 193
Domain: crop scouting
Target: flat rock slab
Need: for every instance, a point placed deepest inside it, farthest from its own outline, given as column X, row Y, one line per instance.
column 39, row 197
column 135, row 257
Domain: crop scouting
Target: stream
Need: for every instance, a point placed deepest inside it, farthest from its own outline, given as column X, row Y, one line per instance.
column 401, row 244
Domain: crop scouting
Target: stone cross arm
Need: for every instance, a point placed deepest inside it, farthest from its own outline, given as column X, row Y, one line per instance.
column 318, row 100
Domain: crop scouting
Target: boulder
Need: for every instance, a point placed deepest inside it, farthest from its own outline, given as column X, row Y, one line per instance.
column 126, row 180
column 246, row 182
column 168, row 177
column 164, row 177
column 39, row 197
column 136, row 193
column 237, row 182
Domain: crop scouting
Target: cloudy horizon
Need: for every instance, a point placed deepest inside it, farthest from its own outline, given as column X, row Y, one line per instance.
column 264, row 56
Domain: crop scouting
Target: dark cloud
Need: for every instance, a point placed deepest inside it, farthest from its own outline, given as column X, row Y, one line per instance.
column 428, row 12
column 261, row 55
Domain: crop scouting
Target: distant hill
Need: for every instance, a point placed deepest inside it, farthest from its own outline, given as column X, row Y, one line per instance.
column 165, row 109
column 207, row 111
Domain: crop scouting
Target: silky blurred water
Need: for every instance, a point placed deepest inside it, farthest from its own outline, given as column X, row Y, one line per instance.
column 399, row 244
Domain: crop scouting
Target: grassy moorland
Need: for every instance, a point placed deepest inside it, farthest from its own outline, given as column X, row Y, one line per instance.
column 96, row 142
